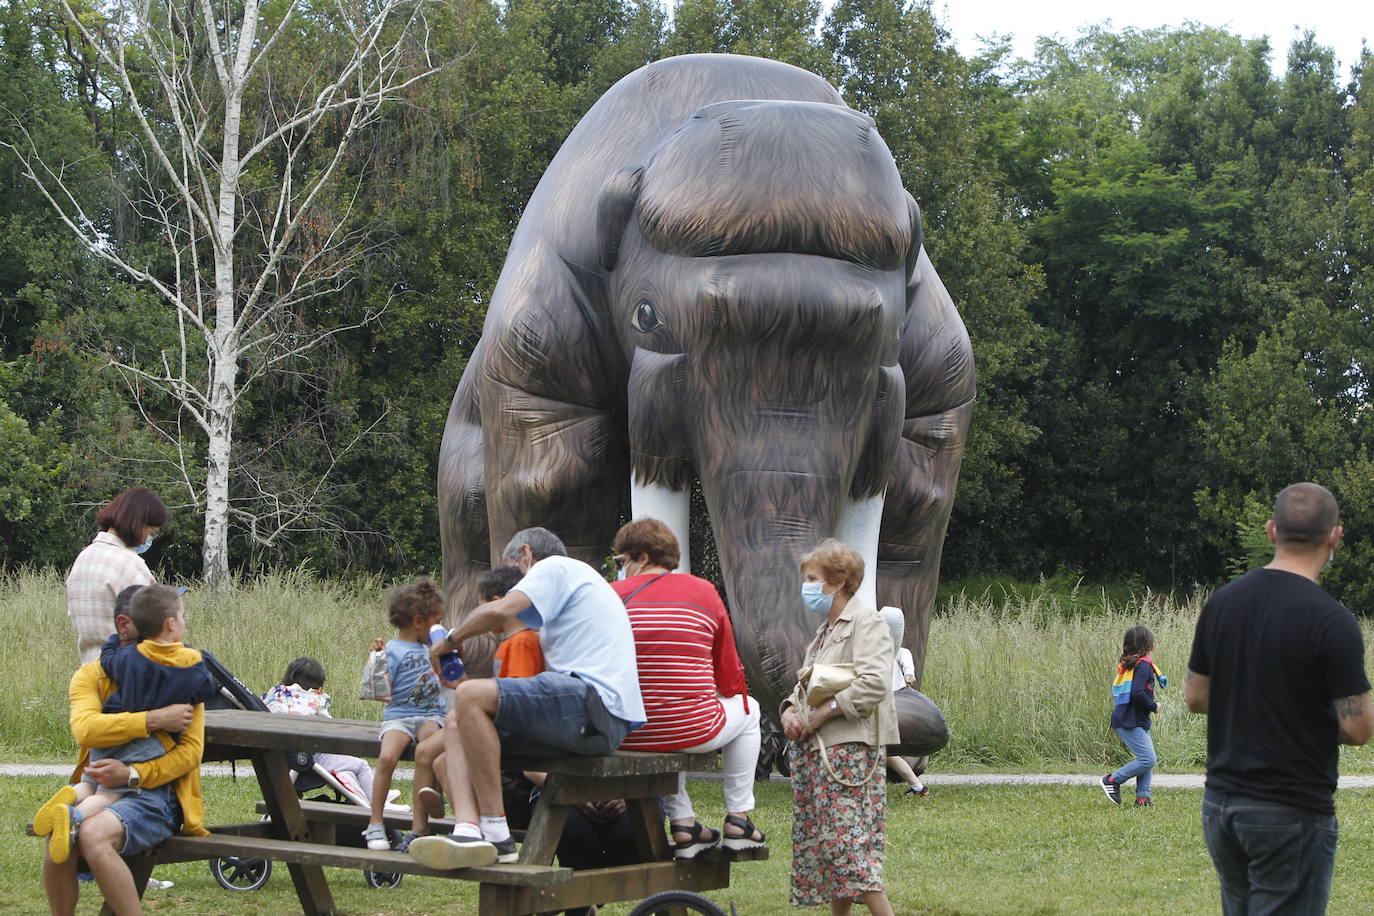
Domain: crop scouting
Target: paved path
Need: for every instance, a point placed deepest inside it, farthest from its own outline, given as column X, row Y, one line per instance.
column 934, row 779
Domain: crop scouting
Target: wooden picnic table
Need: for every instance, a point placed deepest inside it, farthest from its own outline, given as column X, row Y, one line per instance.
column 302, row 836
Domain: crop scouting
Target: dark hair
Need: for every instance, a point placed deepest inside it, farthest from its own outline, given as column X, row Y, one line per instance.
column 837, row 562
column 541, row 541
column 418, row 599
column 151, row 607
column 1305, row 513
column 495, row 583
column 306, row 672
column 132, row 511
column 651, row 537
column 1137, row 642
column 125, row 598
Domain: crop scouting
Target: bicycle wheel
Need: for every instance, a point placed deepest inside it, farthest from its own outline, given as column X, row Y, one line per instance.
column 686, row 900
column 235, row 873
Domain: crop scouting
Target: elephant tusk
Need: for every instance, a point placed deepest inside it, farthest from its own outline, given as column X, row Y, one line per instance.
column 858, row 528
column 672, row 507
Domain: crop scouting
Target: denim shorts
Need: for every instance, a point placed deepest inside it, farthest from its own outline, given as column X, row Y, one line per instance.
column 410, row 725
column 149, row 817
column 554, row 712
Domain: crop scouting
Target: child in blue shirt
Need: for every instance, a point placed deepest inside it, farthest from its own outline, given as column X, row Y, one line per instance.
column 1133, row 701
column 416, row 708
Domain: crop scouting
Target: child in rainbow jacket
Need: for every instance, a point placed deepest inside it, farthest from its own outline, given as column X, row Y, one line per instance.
column 1133, row 701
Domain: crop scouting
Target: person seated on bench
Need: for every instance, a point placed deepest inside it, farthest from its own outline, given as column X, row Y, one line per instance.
column 133, row 823
column 693, row 683
column 157, row 672
column 586, row 702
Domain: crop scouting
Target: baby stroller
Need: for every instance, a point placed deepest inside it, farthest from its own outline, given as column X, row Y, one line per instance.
column 236, row 873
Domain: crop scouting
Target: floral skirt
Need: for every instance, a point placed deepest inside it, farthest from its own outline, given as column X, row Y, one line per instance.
column 838, row 831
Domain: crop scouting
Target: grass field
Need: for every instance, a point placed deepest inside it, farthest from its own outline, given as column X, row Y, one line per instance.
column 963, row 851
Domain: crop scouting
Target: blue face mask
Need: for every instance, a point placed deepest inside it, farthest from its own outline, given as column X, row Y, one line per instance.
column 816, row 601
column 143, row 548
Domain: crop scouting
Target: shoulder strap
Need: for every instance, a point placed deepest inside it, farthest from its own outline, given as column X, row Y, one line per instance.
column 626, row 599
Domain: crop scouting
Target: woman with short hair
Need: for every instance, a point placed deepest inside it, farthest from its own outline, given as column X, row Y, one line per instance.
column 839, row 783
column 692, row 680
column 110, row 563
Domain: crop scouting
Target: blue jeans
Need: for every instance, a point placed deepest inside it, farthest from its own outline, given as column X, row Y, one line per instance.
column 149, row 817
column 554, row 712
column 1271, row 858
column 1142, row 768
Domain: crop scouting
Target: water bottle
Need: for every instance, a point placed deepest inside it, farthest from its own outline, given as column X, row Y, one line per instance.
column 450, row 665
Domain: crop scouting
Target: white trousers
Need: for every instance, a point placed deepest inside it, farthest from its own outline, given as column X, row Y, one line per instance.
column 738, row 742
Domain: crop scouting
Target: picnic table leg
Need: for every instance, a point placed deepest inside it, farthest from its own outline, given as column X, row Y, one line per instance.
column 546, row 825
column 646, row 822
column 289, row 823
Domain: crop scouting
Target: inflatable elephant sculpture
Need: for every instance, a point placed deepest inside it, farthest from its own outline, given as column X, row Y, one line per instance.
column 720, row 277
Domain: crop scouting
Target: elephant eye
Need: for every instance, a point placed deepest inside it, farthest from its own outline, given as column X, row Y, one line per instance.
column 646, row 318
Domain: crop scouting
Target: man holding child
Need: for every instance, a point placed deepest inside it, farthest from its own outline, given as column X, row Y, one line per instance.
column 166, row 789
column 585, row 702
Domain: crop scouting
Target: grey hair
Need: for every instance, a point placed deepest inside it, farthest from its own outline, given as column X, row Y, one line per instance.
column 541, row 541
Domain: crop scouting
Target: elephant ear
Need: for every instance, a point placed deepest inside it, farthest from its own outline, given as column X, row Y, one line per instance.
column 618, row 197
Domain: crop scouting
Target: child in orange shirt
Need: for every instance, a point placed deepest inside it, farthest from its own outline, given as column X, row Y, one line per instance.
column 519, row 654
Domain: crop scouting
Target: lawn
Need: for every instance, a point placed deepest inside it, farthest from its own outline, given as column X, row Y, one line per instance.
column 963, row 851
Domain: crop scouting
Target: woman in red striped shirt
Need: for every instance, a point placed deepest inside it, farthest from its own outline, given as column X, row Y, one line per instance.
column 692, row 681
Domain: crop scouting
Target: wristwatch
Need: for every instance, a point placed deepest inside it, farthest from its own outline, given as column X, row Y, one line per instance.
column 834, row 703
column 134, row 779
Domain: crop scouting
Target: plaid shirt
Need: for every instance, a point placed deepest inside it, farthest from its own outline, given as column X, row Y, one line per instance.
column 104, row 569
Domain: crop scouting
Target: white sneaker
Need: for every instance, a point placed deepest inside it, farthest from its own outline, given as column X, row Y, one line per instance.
column 446, row 852
column 376, row 837
column 156, row 885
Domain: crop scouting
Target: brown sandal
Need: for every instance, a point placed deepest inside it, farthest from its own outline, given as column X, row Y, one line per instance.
column 745, row 840
column 701, row 839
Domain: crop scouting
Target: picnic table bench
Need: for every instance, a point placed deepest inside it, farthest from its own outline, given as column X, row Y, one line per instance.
column 301, row 834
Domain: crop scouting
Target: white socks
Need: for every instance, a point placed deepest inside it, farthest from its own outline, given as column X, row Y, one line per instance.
column 494, row 829
column 465, row 830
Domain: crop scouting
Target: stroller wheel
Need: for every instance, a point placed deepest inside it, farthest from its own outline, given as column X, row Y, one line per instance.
column 382, row 880
column 692, row 903
column 238, row 874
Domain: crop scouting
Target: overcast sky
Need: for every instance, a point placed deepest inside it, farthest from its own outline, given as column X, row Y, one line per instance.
column 1339, row 24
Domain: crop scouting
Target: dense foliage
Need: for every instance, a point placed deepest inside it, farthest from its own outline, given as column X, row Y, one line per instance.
column 1163, row 251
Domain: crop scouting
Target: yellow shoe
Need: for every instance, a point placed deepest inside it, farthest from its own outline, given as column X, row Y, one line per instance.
column 43, row 817
column 65, row 822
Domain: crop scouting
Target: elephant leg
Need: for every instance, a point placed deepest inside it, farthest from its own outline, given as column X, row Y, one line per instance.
column 916, row 511
column 561, row 465
column 463, row 501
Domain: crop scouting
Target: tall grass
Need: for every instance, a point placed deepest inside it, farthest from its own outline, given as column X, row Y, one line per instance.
column 1021, row 672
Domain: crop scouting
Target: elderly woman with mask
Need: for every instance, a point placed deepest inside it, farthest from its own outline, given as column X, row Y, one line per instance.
column 839, row 783
column 111, row 563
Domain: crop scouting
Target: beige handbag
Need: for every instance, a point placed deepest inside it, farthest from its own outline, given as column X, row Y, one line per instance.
column 822, row 683
column 827, row 680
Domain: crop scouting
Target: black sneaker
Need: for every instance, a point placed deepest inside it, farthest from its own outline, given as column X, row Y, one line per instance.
column 1112, row 788
column 403, row 844
column 505, row 851
column 1143, row 802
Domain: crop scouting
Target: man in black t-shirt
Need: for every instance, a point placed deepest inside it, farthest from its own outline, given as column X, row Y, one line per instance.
column 1278, row 667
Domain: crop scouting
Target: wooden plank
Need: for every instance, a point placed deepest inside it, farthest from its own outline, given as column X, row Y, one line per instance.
column 646, row 826
column 191, row 849
column 351, row 814
column 546, row 826
column 604, row 885
column 283, row 807
column 575, row 790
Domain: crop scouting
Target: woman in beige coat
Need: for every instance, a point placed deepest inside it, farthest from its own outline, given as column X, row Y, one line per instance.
column 839, row 784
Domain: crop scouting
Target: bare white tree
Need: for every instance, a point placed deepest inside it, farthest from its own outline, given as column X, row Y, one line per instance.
column 244, row 182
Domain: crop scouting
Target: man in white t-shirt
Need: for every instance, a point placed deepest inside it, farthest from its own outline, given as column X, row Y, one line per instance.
column 586, row 701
